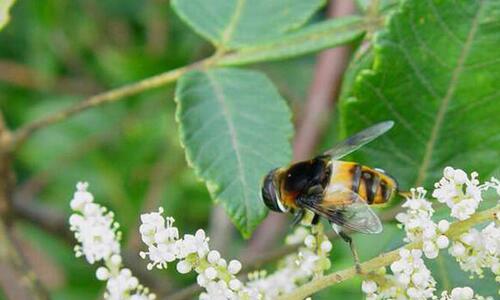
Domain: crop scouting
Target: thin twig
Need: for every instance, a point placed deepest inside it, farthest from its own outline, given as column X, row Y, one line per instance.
column 385, row 259
column 330, row 67
column 7, row 178
column 21, row 134
column 16, row 279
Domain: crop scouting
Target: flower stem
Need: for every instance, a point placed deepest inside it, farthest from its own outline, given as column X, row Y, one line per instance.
column 385, row 259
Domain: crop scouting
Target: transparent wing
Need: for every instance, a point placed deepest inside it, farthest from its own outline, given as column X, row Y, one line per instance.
column 347, row 209
column 359, row 139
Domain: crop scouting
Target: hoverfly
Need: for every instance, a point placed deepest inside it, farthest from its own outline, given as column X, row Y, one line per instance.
column 339, row 191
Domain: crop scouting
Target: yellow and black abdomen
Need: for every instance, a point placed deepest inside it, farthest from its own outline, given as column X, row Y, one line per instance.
column 373, row 185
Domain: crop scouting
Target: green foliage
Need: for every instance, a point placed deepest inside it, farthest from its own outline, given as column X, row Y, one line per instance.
column 235, row 23
column 5, row 6
column 309, row 39
column 433, row 69
column 436, row 75
column 235, row 127
column 435, row 72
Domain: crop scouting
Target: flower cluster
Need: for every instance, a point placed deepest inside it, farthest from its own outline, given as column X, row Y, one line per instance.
column 418, row 224
column 460, row 193
column 94, row 228
column 98, row 238
column 474, row 250
column 411, row 272
column 410, row 280
column 465, row 293
column 216, row 275
column 311, row 260
column 192, row 252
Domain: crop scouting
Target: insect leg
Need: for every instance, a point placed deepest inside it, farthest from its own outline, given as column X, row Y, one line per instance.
column 315, row 219
column 298, row 217
column 349, row 240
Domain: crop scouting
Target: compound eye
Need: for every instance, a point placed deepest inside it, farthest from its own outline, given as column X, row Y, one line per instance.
column 269, row 192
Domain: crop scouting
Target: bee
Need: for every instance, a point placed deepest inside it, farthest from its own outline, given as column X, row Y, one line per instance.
column 340, row 191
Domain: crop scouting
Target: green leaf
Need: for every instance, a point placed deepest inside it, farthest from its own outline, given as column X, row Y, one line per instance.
column 234, row 23
column 5, row 6
column 383, row 5
column 362, row 59
column 310, row 39
column 235, row 127
column 436, row 72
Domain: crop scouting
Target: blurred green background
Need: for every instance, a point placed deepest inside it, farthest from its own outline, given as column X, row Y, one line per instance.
column 54, row 53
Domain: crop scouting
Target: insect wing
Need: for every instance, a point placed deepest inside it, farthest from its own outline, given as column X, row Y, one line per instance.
column 347, row 209
column 359, row 139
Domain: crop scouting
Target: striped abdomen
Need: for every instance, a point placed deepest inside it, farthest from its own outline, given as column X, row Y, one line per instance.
column 374, row 186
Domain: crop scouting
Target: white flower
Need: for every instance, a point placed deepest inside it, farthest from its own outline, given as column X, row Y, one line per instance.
column 161, row 237
column 210, row 273
column 94, row 228
column 296, row 268
column 369, row 287
column 412, row 276
column 476, row 250
column 310, row 241
column 297, row 237
column 418, row 224
column 234, row 267
column 98, row 236
column 102, row 273
column 192, row 253
column 235, row 284
column 197, row 243
column 461, row 194
column 218, row 290
column 465, row 293
column 119, row 286
column 184, row 267
column 213, row 257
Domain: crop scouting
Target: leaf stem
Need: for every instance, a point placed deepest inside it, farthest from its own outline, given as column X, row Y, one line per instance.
column 385, row 259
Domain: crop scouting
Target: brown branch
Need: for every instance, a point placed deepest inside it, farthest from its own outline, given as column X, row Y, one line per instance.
column 21, row 134
column 16, row 279
column 330, row 67
column 6, row 174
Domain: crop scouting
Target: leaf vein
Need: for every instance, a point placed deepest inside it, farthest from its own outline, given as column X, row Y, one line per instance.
column 441, row 113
